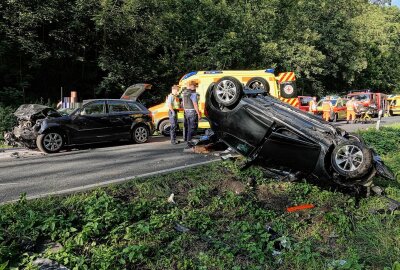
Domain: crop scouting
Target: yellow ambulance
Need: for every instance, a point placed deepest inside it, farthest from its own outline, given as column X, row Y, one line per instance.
column 226, row 83
column 394, row 104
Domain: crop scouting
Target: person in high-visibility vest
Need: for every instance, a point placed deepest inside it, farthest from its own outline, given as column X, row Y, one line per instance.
column 173, row 106
column 312, row 106
column 327, row 108
column 351, row 107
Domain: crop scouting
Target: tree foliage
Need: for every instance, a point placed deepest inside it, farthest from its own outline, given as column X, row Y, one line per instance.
column 99, row 47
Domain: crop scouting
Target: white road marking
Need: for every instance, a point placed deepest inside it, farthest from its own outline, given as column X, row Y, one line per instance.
column 109, row 182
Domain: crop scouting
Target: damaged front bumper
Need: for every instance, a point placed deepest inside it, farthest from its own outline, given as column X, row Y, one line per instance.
column 23, row 135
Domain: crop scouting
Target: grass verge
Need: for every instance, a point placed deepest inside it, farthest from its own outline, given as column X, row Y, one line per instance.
column 132, row 226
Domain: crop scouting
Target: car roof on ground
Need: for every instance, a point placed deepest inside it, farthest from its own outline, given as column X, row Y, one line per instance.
column 107, row 99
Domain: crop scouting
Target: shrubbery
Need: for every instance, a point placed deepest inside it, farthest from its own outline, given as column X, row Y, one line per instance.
column 7, row 119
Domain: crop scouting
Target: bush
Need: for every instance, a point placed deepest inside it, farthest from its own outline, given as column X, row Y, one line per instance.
column 7, row 119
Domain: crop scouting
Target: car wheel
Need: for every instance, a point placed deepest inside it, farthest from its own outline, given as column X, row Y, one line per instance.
column 140, row 134
column 165, row 127
column 390, row 112
column 50, row 142
column 351, row 159
column 258, row 83
column 227, row 91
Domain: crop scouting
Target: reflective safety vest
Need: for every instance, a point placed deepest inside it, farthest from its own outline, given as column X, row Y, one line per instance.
column 312, row 106
column 326, row 106
column 175, row 101
column 350, row 106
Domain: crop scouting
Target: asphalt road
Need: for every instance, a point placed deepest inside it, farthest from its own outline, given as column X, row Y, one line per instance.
column 79, row 169
column 358, row 126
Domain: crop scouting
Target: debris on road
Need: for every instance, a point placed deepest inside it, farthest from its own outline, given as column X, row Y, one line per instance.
column 15, row 155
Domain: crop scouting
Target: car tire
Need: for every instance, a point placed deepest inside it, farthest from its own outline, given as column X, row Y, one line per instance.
column 164, row 127
column 228, row 91
column 140, row 134
column 351, row 159
column 391, row 113
column 258, row 83
column 50, row 142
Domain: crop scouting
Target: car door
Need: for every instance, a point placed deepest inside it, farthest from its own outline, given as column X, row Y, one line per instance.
column 341, row 109
column 90, row 123
column 120, row 118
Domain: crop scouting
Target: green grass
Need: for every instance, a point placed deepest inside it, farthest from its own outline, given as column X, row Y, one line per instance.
column 3, row 145
column 131, row 226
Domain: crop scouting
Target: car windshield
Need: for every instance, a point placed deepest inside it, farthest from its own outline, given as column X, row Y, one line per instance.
column 304, row 101
column 67, row 111
column 361, row 97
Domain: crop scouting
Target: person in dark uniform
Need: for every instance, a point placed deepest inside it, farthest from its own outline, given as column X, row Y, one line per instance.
column 192, row 113
column 173, row 106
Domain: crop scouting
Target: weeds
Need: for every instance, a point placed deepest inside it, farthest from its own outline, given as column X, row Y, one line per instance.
column 132, row 226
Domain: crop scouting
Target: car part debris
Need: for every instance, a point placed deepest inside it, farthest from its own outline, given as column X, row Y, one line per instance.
column 171, row 198
column 275, row 135
column 393, row 204
column 299, row 207
column 47, row 264
column 229, row 157
column 180, row 228
column 15, row 155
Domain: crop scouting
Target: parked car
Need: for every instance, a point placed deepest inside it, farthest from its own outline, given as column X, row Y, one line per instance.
column 98, row 120
column 275, row 135
column 339, row 108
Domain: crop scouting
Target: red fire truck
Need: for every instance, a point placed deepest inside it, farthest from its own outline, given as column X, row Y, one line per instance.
column 367, row 98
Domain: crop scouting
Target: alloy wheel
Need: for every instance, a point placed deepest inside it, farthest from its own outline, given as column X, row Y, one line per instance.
column 52, row 142
column 226, row 91
column 141, row 134
column 349, row 158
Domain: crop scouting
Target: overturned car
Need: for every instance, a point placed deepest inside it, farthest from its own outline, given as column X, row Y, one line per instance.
column 278, row 136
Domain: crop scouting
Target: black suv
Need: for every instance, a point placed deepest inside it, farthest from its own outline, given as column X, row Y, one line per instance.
column 276, row 135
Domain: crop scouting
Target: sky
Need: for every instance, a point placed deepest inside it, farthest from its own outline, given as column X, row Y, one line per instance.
column 396, row 2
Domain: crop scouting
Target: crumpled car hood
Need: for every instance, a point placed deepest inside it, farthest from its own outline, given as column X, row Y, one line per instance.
column 26, row 111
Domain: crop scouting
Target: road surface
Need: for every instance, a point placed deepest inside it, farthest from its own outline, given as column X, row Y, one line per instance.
column 358, row 126
column 39, row 175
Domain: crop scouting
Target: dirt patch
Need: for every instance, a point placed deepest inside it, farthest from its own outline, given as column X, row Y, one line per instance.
column 236, row 187
column 123, row 195
column 274, row 197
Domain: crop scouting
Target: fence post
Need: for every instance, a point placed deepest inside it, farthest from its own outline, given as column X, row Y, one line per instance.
column 378, row 123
